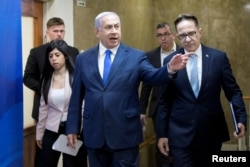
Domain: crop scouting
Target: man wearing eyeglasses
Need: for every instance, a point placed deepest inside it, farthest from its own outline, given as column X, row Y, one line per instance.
column 166, row 38
column 190, row 119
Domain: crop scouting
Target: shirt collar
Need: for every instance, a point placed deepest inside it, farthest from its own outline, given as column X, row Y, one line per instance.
column 102, row 49
column 172, row 50
column 198, row 51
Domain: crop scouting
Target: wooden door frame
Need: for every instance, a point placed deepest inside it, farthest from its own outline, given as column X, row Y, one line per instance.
column 33, row 9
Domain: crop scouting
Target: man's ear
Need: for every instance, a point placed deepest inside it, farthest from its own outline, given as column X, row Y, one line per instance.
column 200, row 31
column 96, row 31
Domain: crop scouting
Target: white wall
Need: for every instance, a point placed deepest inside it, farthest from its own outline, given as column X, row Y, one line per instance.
column 64, row 10
column 27, row 44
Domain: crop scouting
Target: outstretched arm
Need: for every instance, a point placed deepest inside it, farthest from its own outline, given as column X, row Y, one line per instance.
column 178, row 62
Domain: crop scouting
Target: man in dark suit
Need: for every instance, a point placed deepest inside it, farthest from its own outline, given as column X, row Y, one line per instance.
column 35, row 65
column 111, row 118
column 166, row 38
column 190, row 119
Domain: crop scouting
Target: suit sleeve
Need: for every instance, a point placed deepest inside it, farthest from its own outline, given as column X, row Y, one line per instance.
column 75, row 106
column 164, row 107
column 144, row 97
column 74, row 52
column 232, row 92
column 152, row 75
column 162, row 114
column 32, row 75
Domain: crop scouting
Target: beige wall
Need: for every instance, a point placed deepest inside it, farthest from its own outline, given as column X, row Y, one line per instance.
column 225, row 25
column 28, row 94
column 136, row 20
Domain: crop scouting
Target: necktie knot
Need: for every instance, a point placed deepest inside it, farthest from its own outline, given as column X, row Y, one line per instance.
column 108, row 52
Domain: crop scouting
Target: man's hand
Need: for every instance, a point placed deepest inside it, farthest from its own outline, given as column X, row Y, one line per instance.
column 143, row 121
column 72, row 139
column 242, row 131
column 163, row 146
column 178, row 61
column 39, row 143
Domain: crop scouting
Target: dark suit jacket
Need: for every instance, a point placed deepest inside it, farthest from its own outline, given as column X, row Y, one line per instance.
column 154, row 57
column 201, row 117
column 33, row 71
column 111, row 113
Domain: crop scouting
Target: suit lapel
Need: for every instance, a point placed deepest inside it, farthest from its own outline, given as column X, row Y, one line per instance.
column 67, row 91
column 119, row 57
column 185, row 79
column 93, row 62
column 184, row 76
column 157, row 60
column 205, row 66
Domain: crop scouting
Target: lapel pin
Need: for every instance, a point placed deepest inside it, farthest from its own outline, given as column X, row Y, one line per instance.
column 207, row 56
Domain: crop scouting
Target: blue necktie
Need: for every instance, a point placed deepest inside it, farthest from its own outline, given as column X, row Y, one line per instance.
column 194, row 75
column 107, row 66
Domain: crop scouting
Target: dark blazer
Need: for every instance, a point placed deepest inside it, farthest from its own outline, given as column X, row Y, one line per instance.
column 201, row 117
column 33, row 71
column 111, row 113
column 154, row 57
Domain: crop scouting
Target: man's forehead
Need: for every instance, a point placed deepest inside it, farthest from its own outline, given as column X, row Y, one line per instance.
column 110, row 18
column 163, row 29
column 57, row 27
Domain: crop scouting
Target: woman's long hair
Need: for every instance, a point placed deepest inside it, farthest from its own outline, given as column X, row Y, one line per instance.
column 48, row 70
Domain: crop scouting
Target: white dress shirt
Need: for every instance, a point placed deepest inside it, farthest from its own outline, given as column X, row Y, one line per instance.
column 102, row 55
column 198, row 53
column 165, row 54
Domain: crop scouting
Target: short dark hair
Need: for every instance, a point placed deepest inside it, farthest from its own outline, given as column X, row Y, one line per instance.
column 186, row 16
column 164, row 24
column 55, row 21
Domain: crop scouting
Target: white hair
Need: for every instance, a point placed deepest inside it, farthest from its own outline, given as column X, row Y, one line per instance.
column 99, row 17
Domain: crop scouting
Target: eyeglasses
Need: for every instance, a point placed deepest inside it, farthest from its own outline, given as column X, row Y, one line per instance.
column 191, row 34
column 165, row 35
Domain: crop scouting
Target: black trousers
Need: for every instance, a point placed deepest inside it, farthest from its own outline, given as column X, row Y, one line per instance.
column 198, row 154
column 107, row 157
column 49, row 158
